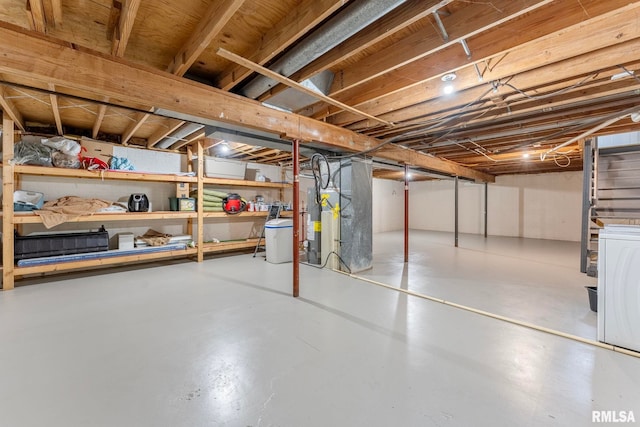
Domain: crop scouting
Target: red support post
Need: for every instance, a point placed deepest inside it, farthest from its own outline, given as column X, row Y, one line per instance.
column 296, row 218
column 406, row 213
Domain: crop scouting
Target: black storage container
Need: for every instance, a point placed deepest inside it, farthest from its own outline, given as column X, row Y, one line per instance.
column 593, row 297
column 60, row 244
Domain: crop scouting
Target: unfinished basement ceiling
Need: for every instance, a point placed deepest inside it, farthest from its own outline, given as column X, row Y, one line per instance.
column 527, row 76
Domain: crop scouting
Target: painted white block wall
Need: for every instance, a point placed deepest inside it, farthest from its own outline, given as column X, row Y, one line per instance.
column 388, row 205
column 540, row 206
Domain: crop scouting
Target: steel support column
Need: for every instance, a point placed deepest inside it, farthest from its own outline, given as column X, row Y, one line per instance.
column 486, row 208
column 296, row 217
column 455, row 226
column 406, row 213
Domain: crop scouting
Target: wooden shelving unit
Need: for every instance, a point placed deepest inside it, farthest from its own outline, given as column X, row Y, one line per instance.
column 10, row 219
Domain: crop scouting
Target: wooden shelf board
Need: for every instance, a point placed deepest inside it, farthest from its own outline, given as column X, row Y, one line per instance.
column 31, row 218
column 244, row 215
column 106, row 174
column 64, row 266
column 244, row 183
column 229, row 246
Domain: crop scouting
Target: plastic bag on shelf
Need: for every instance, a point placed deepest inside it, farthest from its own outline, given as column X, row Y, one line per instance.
column 121, row 163
column 31, row 153
column 66, row 146
column 61, row 160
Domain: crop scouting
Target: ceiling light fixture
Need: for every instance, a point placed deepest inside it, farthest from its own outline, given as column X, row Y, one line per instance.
column 525, row 155
column 224, row 147
column 447, row 79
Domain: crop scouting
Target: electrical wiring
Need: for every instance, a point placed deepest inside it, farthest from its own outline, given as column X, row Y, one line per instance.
column 415, row 132
column 326, row 260
column 566, row 165
column 548, row 95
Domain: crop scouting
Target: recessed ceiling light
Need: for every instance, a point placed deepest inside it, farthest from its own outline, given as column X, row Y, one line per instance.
column 449, row 77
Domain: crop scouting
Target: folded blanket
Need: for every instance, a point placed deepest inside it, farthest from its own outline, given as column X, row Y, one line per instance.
column 155, row 238
column 68, row 208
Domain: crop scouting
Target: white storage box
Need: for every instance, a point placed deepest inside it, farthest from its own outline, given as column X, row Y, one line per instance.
column 216, row 167
column 125, row 240
column 27, row 200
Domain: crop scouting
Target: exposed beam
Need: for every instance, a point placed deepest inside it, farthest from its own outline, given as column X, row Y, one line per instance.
column 509, row 52
column 470, row 21
column 53, row 12
column 54, row 107
column 35, row 13
column 398, row 19
column 139, row 120
column 308, row 14
column 525, row 74
column 600, row 32
column 212, row 22
column 164, row 131
column 122, row 30
column 93, row 73
column 10, row 109
column 189, row 139
column 291, row 83
column 402, row 17
column 102, row 109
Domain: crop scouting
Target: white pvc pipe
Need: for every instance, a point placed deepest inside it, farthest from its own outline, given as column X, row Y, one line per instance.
column 499, row 317
column 583, row 135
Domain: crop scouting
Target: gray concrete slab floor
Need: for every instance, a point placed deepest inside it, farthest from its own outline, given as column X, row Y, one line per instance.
column 222, row 343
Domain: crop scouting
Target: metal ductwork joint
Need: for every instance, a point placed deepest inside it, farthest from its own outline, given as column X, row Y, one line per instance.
column 355, row 17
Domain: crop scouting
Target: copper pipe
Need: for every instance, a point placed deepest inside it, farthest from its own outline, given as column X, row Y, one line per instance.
column 296, row 218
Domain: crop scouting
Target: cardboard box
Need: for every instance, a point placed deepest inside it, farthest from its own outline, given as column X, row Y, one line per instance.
column 98, row 149
column 182, row 190
column 187, row 204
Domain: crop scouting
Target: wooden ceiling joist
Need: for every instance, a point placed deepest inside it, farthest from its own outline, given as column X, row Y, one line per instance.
column 102, row 109
column 506, row 58
column 36, row 15
column 53, row 12
column 291, row 83
column 10, row 109
column 398, row 19
column 282, row 35
column 139, row 120
column 124, row 26
column 163, row 131
column 209, row 27
column 56, row 110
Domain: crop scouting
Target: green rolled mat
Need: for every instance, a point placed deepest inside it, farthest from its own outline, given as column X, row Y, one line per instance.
column 215, row 193
column 212, row 209
column 207, row 197
column 207, row 203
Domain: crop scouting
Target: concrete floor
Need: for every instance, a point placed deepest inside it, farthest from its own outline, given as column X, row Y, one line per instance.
column 530, row 280
column 222, row 343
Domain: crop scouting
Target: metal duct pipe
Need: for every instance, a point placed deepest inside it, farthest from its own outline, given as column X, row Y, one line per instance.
column 177, row 135
column 354, row 18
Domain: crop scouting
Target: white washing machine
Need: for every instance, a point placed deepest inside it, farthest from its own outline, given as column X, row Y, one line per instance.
column 619, row 286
